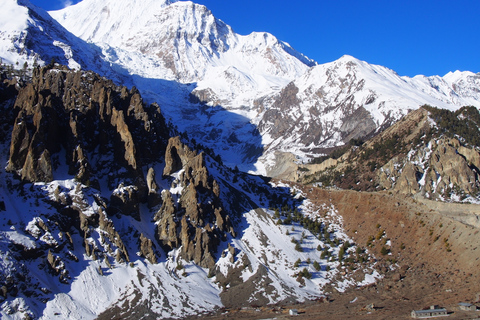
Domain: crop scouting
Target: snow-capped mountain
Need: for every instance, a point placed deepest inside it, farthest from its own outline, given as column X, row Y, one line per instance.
column 348, row 98
column 105, row 215
column 186, row 43
column 29, row 34
column 102, row 213
column 252, row 111
column 179, row 54
column 246, row 97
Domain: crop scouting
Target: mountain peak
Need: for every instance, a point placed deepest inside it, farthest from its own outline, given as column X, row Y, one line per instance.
column 457, row 75
column 347, row 57
column 179, row 41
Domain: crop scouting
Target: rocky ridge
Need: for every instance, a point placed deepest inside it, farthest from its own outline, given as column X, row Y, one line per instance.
column 430, row 152
column 102, row 129
column 347, row 99
column 197, row 222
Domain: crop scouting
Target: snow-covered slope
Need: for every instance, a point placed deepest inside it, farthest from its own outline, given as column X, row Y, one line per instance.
column 186, row 43
column 265, row 253
column 29, row 34
column 348, row 98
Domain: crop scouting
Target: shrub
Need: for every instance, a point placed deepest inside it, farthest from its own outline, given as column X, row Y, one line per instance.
column 297, row 263
column 341, row 253
column 298, row 247
column 324, row 254
column 306, row 274
column 384, row 251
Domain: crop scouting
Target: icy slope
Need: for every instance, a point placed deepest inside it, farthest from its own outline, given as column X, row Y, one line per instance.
column 29, row 34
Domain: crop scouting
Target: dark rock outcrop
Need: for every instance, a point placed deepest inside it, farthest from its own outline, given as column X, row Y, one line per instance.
column 91, row 119
column 196, row 221
column 103, row 129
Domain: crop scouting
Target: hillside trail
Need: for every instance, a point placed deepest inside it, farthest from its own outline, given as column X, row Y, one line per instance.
column 465, row 213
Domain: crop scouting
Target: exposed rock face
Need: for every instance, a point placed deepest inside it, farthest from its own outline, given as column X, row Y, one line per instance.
column 359, row 124
column 427, row 153
column 176, row 156
column 194, row 220
column 78, row 122
column 98, row 113
column 151, row 184
column 103, row 128
column 101, row 133
column 146, row 249
column 439, row 170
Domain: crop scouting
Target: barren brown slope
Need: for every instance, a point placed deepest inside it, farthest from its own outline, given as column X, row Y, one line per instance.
column 434, row 258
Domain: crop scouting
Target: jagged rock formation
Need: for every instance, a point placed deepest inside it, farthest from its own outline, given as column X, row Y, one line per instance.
column 91, row 119
column 79, row 124
column 196, row 220
column 450, row 169
column 93, row 149
column 430, row 152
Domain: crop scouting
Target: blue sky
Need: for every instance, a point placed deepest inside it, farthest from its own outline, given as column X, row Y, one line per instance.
column 429, row 37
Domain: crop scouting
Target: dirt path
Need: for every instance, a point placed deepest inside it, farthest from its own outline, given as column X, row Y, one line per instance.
column 468, row 214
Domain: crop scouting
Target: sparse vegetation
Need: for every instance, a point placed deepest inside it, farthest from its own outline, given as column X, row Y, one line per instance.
column 384, row 251
column 297, row 263
column 464, row 122
column 447, row 244
column 298, row 247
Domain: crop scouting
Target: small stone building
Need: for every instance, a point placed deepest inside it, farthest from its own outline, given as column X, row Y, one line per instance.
column 465, row 306
column 293, row 312
column 434, row 311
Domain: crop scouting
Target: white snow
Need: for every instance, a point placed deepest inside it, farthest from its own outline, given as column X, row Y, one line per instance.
column 10, row 9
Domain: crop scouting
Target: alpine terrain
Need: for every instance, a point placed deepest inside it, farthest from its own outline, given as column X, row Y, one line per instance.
column 155, row 164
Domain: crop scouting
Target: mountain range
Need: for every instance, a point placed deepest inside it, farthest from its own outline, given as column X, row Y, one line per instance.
column 131, row 131
column 233, row 89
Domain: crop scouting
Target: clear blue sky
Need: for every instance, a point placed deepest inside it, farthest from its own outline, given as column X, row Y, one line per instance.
column 429, row 37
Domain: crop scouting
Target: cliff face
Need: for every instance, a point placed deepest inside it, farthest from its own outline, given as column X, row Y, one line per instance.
column 91, row 126
column 89, row 117
column 444, row 169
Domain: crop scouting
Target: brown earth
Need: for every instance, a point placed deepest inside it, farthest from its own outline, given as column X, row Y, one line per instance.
column 434, row 258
